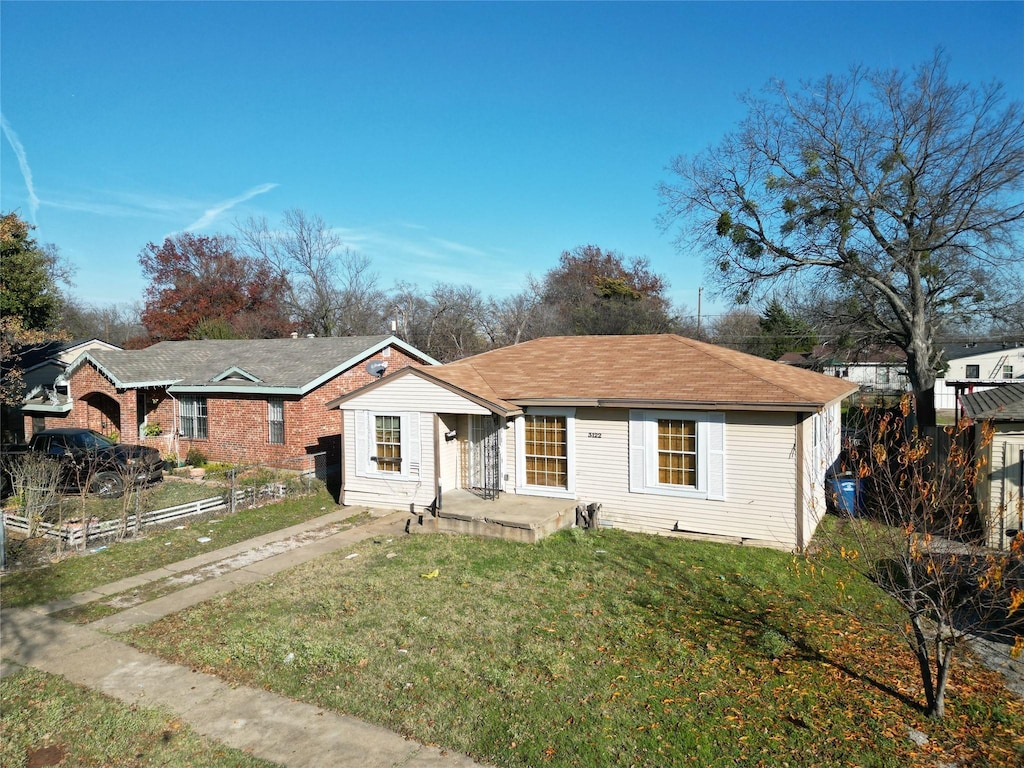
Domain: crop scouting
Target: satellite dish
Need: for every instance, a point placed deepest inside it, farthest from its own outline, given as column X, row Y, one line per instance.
column 377, row 367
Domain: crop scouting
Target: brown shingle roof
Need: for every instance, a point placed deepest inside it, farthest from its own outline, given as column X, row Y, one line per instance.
column 638, row 369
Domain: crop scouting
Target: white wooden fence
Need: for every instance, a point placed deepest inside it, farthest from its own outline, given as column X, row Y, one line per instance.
column 74, row 533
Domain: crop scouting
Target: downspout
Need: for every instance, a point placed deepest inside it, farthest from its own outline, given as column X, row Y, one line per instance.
column 437, row 463
column 341, row 459
column 799, row 482
column 175, row 427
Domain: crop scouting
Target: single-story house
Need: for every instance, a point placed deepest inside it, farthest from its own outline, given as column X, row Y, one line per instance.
column 975, row 367
column 40, row 366
column 999, row 489
column 669, row 435
column 238, row 401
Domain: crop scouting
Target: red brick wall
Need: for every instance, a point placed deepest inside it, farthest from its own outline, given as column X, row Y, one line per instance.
column 237, row 428
column 96, row 404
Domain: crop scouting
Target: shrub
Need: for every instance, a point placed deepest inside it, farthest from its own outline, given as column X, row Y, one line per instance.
column 195, row 457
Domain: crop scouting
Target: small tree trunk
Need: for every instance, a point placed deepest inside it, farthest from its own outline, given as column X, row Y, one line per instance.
column 924, row 664
column 944, row 654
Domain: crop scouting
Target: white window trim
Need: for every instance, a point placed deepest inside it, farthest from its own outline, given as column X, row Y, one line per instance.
column 278, row 403
column 570, row 454
column 365, row 443
column 643, row 452
column 188, row 409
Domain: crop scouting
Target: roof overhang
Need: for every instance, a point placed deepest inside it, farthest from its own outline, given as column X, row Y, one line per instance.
column 86, row 357
column 42, row 400
column 681, row 405
column 236, row 389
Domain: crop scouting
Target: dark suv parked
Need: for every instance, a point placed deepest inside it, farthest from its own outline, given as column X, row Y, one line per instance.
column 91, row 461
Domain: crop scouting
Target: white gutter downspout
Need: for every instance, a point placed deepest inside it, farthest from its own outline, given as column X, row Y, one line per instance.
column 175, row 431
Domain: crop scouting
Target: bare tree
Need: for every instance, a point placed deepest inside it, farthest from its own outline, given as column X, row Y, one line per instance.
column 446, row 323
column 332, row 291
column 35, row 480
column 739, row 329
column 915, row 537
column 510, row 320
column 897, row 195
column 118, row 323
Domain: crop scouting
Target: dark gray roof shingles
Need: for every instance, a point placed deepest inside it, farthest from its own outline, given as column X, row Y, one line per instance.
column 999, row 404
column 287, row 363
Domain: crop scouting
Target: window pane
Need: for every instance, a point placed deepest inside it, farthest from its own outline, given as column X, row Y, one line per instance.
column 192, row 415
column 388, row 438
column 275, row 420
column 546, row 451
column 677, row 452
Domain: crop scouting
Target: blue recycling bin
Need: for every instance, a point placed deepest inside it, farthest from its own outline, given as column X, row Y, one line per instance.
column 846, row 492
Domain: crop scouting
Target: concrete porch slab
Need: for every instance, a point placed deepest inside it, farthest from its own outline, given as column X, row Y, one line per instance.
column 510, row 516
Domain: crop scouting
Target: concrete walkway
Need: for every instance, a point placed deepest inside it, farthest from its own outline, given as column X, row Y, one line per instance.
column 263, row 724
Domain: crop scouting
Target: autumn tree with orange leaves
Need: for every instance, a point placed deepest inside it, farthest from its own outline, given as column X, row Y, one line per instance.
column 918, row 536
column 200, row 285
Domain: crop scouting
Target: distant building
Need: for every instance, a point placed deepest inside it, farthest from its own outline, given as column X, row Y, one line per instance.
column 976, row 367
column 876, row 369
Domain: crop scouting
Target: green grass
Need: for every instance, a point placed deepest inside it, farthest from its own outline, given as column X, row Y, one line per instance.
column 48, row 721
column 116, row 602
column 156, row 549
column 596, row 649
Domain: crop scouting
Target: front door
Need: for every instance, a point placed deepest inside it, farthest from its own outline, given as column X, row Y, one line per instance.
column 485, row 456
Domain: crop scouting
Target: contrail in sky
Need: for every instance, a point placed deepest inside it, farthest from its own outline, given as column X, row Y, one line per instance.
column 212, row 213
column 26, row 172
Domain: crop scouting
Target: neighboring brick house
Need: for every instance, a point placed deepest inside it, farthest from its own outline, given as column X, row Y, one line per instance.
column 40, row 366
column 251, row 401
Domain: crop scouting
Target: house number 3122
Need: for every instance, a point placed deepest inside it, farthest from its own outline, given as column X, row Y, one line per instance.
column 593, row 434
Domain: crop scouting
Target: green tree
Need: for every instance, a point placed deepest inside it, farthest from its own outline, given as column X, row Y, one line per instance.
column 29, row 276
column 895, row 195
column 30, row 301
column 782, row 333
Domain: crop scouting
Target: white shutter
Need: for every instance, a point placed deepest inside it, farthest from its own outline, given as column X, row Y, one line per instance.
column 637, row 452
column 411, row 423
column 716, row 456
column 362, row 428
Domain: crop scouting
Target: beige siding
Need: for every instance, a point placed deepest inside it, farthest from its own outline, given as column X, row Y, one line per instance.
column 1001, row 494
column 822, row 442
column 389, row 493
column 411, row 393
column 760, row 480
column 450, row 451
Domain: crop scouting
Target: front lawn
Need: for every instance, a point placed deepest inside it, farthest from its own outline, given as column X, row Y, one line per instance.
column 155, row 549
column 596, row 649
column 46, row 720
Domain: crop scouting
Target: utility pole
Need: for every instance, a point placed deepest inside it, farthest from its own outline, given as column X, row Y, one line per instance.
column 700, row 295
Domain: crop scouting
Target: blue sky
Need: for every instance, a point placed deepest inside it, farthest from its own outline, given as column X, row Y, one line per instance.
column 464, row 143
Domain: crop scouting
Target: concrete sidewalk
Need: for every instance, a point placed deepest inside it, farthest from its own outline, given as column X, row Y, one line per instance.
column 264, row 724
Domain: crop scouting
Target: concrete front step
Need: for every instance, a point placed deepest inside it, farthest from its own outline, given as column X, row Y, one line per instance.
column 528, row 529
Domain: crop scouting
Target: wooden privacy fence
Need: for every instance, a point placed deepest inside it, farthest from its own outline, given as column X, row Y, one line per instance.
column 75, row 534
